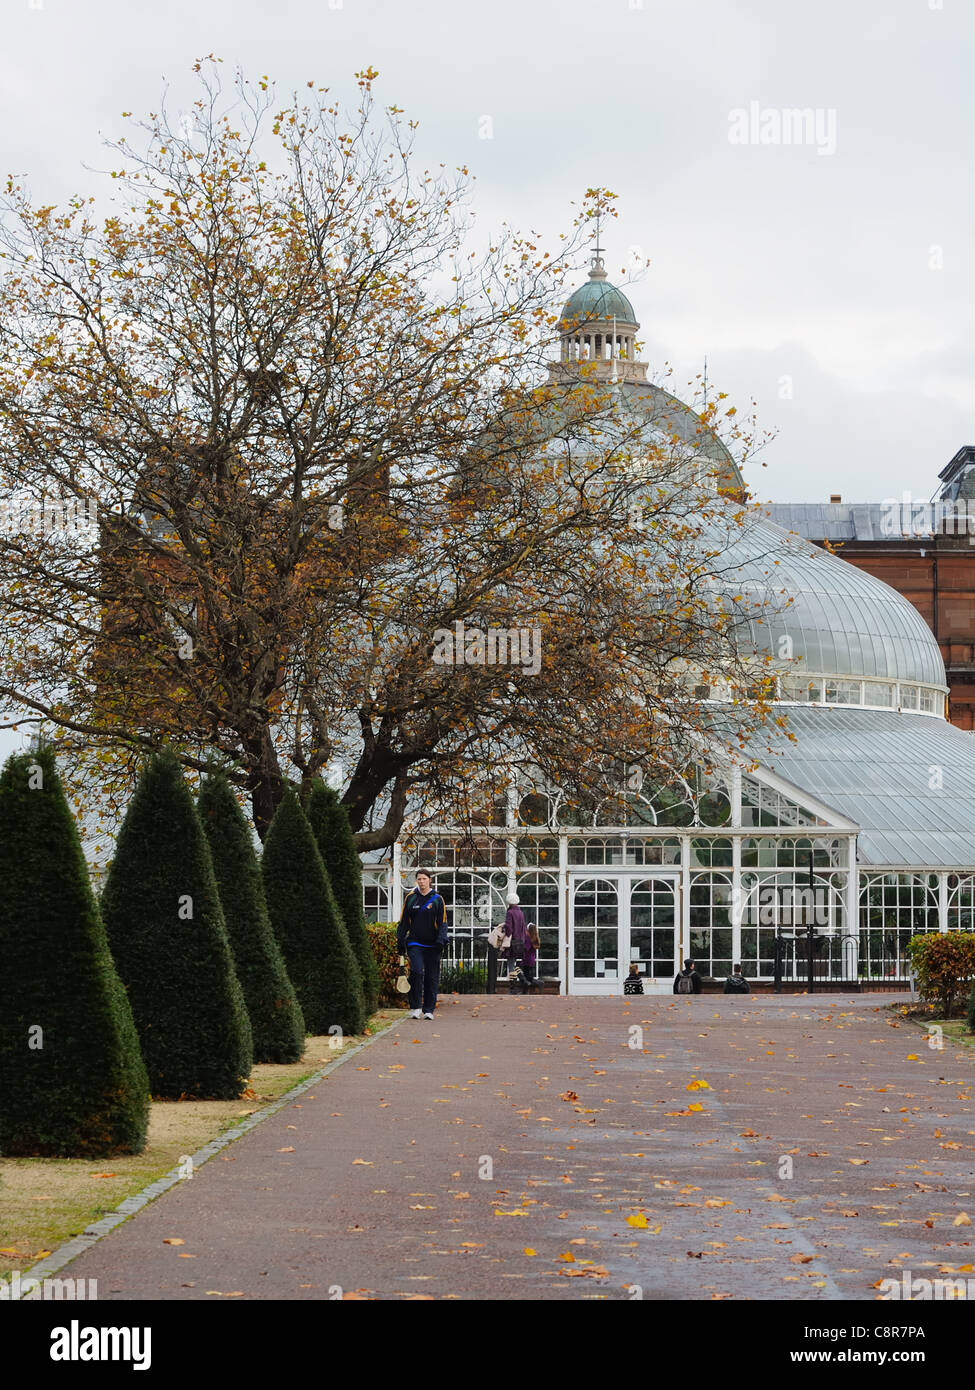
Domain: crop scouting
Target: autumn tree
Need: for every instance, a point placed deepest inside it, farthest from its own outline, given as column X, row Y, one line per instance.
column 72, row 1079
column 320, row 436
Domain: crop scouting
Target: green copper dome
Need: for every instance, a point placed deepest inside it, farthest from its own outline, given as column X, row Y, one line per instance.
column 597, row 299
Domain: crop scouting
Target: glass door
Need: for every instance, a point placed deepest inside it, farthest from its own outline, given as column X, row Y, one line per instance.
column 652, row 941
column 619, row 919
column 594, row 935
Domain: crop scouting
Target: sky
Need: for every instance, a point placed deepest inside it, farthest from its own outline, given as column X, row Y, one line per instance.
column 824, row 271
column 827, row 276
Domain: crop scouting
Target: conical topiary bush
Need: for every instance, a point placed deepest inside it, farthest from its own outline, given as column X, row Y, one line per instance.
column 276, row 1020
column 166, row 931
column 72, row 1080
column 333, row 835
column 308, row 924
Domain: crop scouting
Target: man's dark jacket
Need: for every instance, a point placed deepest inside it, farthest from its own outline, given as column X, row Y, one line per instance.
column 695, row 980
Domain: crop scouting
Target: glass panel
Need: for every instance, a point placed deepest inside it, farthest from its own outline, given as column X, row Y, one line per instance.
column 607, row 941
column 878, row 693
column 585, row 944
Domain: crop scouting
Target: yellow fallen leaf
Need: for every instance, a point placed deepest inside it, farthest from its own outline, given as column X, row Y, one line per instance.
column 695, row 1105
column 567, row 1257
column 962, row 1219
column 366, row 1162
column 173, row 1240
column 529, row 1251
column 640, row 1221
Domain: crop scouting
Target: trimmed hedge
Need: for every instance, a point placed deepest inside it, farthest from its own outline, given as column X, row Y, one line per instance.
column 382, row 942
column 333, row 835
column 308, row 924
column 76, row 1088
column 275, row 1014
column 166, row 930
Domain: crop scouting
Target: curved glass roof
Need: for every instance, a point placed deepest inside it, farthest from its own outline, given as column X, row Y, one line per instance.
column 874, row 766
column 841, row 621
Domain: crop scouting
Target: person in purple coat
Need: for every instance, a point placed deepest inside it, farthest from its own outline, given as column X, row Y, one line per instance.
column 516, row 927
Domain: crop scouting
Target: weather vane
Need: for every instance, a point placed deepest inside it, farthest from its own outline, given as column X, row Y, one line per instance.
column 597, row 260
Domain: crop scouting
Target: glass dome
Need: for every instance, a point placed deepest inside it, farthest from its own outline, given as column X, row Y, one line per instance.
column 840, row 621
column 597, row 300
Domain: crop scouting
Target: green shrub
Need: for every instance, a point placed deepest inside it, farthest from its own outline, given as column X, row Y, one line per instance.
column 166, row 931
column 333, row 835
column 83, row 1092
column 276, row 1020
column 382, row 942
column 463, row 978
column 308, row 924
column 943, row 964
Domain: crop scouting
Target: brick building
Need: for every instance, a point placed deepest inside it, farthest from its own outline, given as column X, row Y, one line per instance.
column 925, row 549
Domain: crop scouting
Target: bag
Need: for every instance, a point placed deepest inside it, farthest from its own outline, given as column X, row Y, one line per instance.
column 403, row 982
column 685, row 985
column 497, row 938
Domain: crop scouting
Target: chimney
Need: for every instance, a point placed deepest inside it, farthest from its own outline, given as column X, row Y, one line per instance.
column 835, row 497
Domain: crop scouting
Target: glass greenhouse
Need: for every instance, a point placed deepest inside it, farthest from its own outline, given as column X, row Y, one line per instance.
column 857, row 833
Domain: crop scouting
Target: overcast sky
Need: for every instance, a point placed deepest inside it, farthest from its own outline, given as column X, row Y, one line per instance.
column 844, row 277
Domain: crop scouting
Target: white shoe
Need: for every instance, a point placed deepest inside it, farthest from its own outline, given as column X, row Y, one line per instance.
column 428, row 1015
column 416, row 1013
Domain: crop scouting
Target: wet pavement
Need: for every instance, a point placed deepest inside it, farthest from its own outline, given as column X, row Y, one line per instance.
column 786, row 1147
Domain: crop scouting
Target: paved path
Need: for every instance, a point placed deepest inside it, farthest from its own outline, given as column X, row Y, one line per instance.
column 832, row 1149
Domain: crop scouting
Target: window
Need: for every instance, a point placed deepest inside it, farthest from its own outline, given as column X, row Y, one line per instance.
column 710, row 924
column 539, row 894
column 843, row 692
column 375, row 895
column 878, row 693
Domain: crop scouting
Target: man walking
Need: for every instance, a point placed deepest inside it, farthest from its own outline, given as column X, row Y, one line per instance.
column 422, row 934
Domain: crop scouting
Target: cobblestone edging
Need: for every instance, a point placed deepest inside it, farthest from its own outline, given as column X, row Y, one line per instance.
column 97, row 1231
